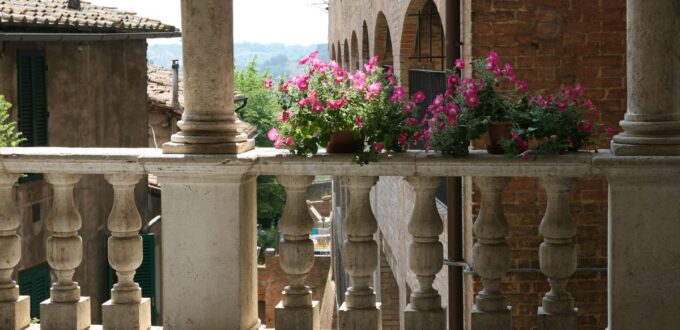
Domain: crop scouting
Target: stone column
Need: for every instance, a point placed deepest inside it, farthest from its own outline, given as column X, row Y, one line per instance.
column 209, row 124
column 126, row 309
column 652, row 122
column 360, row 311
column 557, row 256
column 296, row 311
column 15, row 310
column 426, row 257
column 490, row 257
column 209, row 249
column 65, row 309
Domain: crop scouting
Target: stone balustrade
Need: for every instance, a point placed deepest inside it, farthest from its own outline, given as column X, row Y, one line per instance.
column 226, row 186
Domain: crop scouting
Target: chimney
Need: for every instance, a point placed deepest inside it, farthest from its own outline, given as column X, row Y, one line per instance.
column 74, row 4
column 175, row 84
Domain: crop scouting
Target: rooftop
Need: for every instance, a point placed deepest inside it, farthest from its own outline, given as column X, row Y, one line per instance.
column 78, row 17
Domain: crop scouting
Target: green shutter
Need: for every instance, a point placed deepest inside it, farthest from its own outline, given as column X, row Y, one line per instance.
column 145, row 275
column 35, row 282
column 32, row 101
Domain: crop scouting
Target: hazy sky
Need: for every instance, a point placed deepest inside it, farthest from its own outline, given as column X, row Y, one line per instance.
column 263, row 21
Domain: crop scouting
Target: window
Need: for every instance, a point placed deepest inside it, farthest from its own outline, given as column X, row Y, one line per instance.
column 32, row 101
column 35, row 282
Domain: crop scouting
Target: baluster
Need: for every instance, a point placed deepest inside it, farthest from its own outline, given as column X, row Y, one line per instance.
column 557, row 256
column 14, row 309
column 426, row 256
column 126, row 309
column 490, row 256
column 296, row 310
column 359, row 311
column 65, row 309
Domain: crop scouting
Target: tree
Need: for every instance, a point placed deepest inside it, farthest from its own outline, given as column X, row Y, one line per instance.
column 262, row 112
column 9, row 136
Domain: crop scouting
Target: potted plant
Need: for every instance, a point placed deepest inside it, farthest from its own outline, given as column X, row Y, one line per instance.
column 486, row 102
column 556, row 124
column 367, row 112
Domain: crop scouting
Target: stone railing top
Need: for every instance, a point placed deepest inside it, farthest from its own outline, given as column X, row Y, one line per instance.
column 269, row 161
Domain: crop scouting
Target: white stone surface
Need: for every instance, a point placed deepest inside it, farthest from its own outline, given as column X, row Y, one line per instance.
column 54, row 315
column 361, row 319
column 297, row 318
column 15, row 315
column 209, row 247
column 127, row 316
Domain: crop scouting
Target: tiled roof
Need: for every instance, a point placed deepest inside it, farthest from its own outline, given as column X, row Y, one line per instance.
column 55, row 16
column 159, row 87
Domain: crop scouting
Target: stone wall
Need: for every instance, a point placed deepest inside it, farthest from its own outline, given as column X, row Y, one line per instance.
column 550, row 43
column 96, row 94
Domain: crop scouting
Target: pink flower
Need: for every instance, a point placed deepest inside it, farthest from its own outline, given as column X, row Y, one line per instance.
column 507, row 69
column 311, row 55
column 278, row 143
column 418, row 97
column 398, row 94
column 285, row 115
column 520, row 142
column 268, row 83
column 339, row 74
column 402, row 139
column 452, row 81
column 374, row 60
column 610, row 131
column 522, row 85
column 359, row 79
column 273, row 134
column 311, row 96
column 373, row 90
column 452, row 109
column 289, row 141
column 460, row 64
column 472, row 100
column 283, row 87
column 359, row 121
column 525, row 155
column 492, row 57
column 303, row 102
column 585, row 126
column 379, row 147
column 438, row 100
column 593, row 109
column 302, row 83
column 412, row 121
column 370, row 67
column 337, row 104
column 317, row 106
column 409, row 107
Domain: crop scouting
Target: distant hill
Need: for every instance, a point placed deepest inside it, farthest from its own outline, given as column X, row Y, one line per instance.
column 278, row 59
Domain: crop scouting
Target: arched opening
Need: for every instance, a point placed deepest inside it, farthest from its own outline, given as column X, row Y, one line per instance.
column 422, row 40
column 355, row 52
column 383, row 41
column 339, row 59
column 333, row 55
column 345, row 56
column 365, row 47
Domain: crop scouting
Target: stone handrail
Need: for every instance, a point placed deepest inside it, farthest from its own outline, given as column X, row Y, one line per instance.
column 212, row 186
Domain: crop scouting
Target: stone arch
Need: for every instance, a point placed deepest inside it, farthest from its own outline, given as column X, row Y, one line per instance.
column 422, row 39
column 355, row 59
column 365, row 46
column 339, row 58
column 383, row 40
column 333, row 55
column 345, row 56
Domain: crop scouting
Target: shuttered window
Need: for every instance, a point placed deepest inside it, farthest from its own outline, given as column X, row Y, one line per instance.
column 32, row 100
column 35, row 282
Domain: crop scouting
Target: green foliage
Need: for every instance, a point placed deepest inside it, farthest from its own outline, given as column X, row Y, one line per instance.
column 261, row 110
column 267, row 237
column 9, row 136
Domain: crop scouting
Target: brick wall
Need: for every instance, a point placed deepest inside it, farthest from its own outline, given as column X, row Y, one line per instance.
column 271, row 280
column 552, row 43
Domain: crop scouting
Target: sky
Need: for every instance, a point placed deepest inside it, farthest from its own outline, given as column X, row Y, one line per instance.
column 290, row 22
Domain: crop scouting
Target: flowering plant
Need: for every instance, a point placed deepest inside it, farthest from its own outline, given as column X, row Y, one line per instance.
column 370, row 104
column 556, row 123
column 464, row 111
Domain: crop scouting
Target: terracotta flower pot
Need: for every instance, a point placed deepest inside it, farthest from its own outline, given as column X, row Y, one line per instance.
column 497, row 132
column 344, row 143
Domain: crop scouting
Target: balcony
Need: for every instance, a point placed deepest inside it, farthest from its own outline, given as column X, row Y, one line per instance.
column 209, row 260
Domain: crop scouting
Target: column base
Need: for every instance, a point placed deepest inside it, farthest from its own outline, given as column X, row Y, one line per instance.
column 208, row 148
column 16, row 315
column 74, row 316
column 622, row 149
column 433, row 319
column 491, row 320
column 359, row 319
column 302, row 318
column 127, row 316
column 566, row 321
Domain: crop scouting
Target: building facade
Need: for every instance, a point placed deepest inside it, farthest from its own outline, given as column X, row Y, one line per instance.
column 549, row 44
